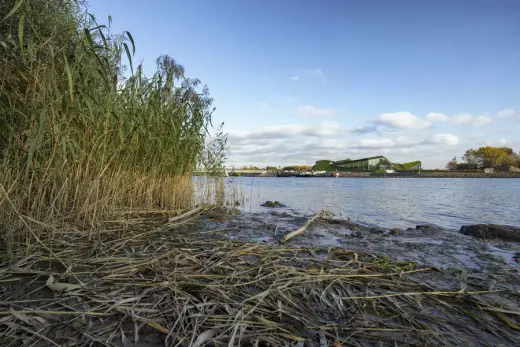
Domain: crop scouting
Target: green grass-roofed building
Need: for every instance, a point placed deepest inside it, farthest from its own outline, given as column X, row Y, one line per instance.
column 366, row 164
column 376, row 163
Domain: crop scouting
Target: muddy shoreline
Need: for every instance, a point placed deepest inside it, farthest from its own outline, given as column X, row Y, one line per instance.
column 426, row 245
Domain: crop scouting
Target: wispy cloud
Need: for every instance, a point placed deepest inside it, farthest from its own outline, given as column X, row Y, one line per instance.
column 288, row 131
column 464, row 118
column 376, row 143
column 314, row 72
column 437, row 117
column 371, row 128
column 400, row 142
column 309, row 111
column 508, row 113
column 443, row 139
column 403, row 120
column 481, row 120
column 308, row 74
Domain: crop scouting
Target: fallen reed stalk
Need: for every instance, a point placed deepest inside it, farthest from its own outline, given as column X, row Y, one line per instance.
column 186, row 214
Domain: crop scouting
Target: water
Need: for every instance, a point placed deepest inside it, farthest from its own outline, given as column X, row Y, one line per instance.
column 389, row 202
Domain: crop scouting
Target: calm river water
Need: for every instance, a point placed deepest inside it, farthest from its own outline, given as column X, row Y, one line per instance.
column 387, row 202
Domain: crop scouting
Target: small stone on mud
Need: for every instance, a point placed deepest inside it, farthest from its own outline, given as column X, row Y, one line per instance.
column 492, row 231
column 396, row 231
column 221, row 213
column 269, row 203
column 427, row 227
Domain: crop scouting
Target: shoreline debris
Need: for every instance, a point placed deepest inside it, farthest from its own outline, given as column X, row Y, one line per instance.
column 319, row 215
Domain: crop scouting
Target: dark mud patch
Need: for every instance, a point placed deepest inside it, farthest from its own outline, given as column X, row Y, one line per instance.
column 428, row 228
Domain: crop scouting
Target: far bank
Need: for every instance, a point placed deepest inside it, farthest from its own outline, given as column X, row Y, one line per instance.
column 404, row 174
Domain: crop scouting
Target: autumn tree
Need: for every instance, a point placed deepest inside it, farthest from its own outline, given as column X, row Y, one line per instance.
column 510, row 160
column 492, row 156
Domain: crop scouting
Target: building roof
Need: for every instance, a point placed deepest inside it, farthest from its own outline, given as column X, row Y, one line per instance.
column 362, row 159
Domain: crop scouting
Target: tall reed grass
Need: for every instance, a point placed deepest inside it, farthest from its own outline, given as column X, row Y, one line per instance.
column 83, row 132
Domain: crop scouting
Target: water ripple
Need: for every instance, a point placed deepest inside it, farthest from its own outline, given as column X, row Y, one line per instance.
column 398, row 202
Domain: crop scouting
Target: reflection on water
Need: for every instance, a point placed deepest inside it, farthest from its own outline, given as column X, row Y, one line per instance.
column 388, row 202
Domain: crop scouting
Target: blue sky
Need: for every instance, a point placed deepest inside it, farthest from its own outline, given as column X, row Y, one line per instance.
column 296, row 81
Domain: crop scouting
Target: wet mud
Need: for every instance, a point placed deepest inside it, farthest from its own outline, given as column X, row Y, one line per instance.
column 463, row 261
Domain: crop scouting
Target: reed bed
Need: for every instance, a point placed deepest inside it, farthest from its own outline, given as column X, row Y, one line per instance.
column 84, row 133
column 149, row 282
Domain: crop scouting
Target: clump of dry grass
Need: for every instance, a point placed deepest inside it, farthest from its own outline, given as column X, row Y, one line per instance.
column 153, row 282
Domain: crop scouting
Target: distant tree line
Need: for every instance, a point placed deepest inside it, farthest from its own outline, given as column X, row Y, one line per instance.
column 298, row 168
column 486, row 157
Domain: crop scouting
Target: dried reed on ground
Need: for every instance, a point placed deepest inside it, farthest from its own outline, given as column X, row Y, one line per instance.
column 153, row 282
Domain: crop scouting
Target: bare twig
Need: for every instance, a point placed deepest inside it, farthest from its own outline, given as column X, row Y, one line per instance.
column 311, row 220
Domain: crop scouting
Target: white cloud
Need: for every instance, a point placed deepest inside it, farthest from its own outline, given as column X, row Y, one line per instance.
column 308, row 111
column 445, row 139
column 464, row 118
column 437, row 117
column 295, row 78
column 508, row 113
column 326, row 129
column 404, row 140
column 404, row 144
column 376, row 143
column 403, row 120
column 286, row 131
column 480, row 120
